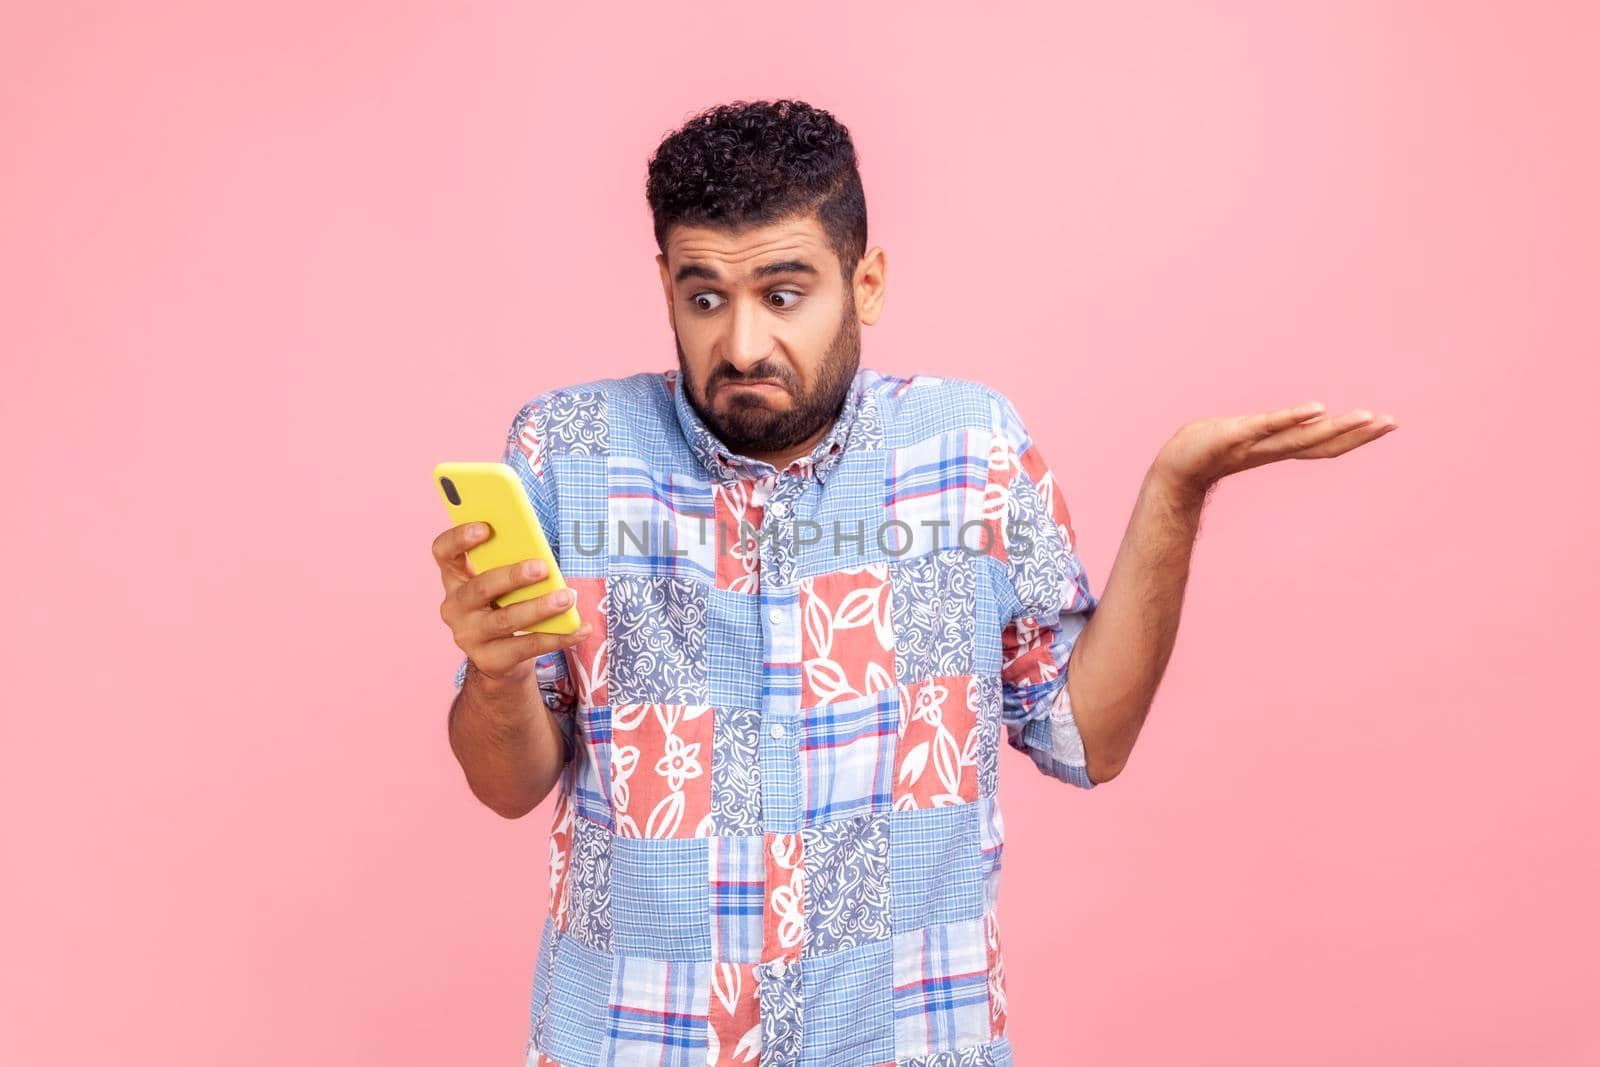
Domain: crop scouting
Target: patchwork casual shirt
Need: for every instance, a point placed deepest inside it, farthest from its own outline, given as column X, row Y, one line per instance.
column 777, row 834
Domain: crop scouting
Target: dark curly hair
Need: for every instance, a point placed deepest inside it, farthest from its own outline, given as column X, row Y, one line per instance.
column 751, row 163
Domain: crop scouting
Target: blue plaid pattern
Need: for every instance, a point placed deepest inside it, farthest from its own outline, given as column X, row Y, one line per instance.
column 780, row 679
column 659, row 904
column 849, row 756
column 738, row 879
column 937, row 861
column 661, row 524
column 658, row 1013
column 538, row 1009
column 934, row 487
column 592, row 787
column 987, row 614
column 782, row 805
column 941, row 994
column 849, row 514
column 733, row 676
column 849, row 998
column 992, row 843
column 892, row 964
column 584, row 539
column 575, row 1016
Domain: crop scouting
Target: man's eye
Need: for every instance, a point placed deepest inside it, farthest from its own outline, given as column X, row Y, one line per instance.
column 697, row 299
column 786, row 292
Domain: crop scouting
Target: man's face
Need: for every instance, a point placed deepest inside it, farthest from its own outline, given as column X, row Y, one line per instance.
column 765, row 305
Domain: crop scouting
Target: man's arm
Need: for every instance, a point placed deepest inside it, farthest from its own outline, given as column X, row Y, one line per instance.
column 1122, row 651
column 510, row 729
column 508, row 741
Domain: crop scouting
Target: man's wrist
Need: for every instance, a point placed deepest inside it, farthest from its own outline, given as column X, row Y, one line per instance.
column 1178, row 493
column 505, row 698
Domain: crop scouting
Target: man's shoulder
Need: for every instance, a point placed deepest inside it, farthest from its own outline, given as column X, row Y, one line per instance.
column 919, row 405
column 595, row 415
column 639, row 386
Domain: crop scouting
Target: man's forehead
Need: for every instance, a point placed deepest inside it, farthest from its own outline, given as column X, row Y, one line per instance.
column 740, row 253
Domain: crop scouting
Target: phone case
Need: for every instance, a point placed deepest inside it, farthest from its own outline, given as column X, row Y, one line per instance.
column 493, row 493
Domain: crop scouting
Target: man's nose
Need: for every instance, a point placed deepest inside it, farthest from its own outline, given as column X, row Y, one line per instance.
column 749, row 339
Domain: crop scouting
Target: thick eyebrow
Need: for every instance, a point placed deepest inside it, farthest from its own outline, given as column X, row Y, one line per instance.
column 766, row 270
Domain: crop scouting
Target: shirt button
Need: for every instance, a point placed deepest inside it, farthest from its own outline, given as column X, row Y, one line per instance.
column 777, row 731
column 778, row 967
column 775, row 616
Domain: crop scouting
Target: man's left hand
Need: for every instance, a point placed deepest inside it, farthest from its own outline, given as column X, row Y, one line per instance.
column 1206, row 450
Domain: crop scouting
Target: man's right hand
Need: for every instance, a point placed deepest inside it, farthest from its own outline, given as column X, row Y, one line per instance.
column 486, row 633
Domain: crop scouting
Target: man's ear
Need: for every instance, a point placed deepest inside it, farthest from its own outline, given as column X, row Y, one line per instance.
column 666, row 289
column 871, row 278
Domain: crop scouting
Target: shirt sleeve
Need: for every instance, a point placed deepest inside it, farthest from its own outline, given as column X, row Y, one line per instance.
column 523, row 454
column 1050, row 601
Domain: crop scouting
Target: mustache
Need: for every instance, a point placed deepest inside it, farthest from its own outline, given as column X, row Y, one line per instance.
column 737, row 379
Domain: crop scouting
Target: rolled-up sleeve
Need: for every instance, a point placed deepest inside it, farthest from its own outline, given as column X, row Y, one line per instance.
column 522, row 453
column 1050, row 602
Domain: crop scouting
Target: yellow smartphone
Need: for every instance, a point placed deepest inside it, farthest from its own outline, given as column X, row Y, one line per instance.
column 493, row 493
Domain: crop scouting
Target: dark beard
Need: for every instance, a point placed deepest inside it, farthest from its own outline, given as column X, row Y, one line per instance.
column 751, row 426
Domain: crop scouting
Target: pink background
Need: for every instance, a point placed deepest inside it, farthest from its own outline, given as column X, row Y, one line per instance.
column 264, row 264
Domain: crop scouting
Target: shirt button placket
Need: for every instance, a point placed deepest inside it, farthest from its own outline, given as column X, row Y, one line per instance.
column 779, row 752
column 781, row 507
column 782, row 781
column 779, row 989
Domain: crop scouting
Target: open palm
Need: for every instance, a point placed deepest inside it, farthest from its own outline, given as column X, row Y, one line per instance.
column 1206, row 450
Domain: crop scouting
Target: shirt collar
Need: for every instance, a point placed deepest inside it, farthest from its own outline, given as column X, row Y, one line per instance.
column 728, row 466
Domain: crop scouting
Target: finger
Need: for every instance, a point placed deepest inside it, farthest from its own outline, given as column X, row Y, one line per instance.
column 1353, row 437
column 496, row 582
column 1297, row 441
column 450, row 551
column 1270, row 422
column 506, row 621
column 507, row 652
column 1313, row 432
